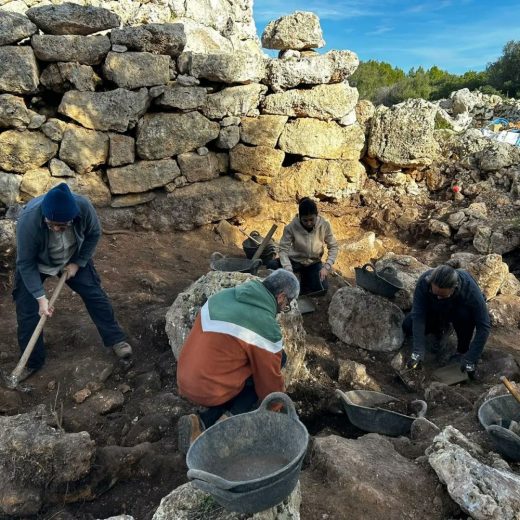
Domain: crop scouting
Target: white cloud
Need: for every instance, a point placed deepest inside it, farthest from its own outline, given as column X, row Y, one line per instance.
column 380, row 30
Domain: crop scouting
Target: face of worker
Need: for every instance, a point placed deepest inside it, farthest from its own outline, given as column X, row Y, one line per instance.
column 283, row 303
column 442, row 293
column 57, row 227
column 308, row 221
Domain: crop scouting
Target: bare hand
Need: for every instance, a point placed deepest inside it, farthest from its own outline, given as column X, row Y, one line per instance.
column 71, row 270
column 43, row 307
column 324, row 272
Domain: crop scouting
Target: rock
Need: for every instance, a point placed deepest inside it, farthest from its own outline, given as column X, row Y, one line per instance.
column 511, row 286
column 505, row 311
column 256, row 160
column 241, row 100
column 81, row 395
column 197, row 167
column 23, row 151
column 496, row 156
column 499, row 241
column 228, row 138
column 356, row 252
column 490, row 272
column 236, row 67
column 60, row 169
column 480, row 490
column 263, row 130
column 167, row 404
column 323, row 102
column 222, row 198
column 9, row 188
column 151, row 428
column 158, row 38
column 106, row 401
column 7, row 243
column 355, row 376
column 13, row 112
column 189, row 502
column 365, row 320
column 88, row 50
column 477, row 210
column 319, row 69
column 496, row 363
column 133, row 70
column 183, row 80
column 18, row 70
column 116, row 110
column 10, row 401
column 142, row 176
column 463, row 101
column 322, row 139
column 437, row 227
column 71, row 18
column 423, row 430
column 84, row 149
column 15, row 27
column 121, row 150
column 35, row 459
column 374, row 466
column 457, row 219
column 299, row 30
column 319, row 178
column 90, row 185
column 182, row 98
column 365, row 111
column 230, row 121
column 54, row 129
column 436, row 181
column 61, row 77
column 204, row 40
column 163, row 135
column 133, row 199
column 36, row 182
column 403, row 135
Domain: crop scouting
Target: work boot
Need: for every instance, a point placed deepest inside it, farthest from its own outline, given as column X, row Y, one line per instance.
column 414, row 362
column 189, row 427
column 469, row 368
column 122, row 350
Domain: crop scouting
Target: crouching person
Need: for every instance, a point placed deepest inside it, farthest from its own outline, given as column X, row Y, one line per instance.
column 233, row 355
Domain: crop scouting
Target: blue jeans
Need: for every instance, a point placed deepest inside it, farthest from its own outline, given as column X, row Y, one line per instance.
column 88, row 285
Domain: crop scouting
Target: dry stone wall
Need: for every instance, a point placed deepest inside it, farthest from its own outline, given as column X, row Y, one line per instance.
column 143, row 114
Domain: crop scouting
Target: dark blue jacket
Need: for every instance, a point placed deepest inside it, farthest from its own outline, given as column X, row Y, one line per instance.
column 32, row 238
column 468, row 294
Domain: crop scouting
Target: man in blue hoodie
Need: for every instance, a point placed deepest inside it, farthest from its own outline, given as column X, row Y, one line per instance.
column 58, row 232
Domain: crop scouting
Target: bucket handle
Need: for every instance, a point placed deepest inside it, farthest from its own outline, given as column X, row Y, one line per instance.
column 216, row 256
column 210, row 479
column 255, row 264
column 423, row 407
column 286, row 400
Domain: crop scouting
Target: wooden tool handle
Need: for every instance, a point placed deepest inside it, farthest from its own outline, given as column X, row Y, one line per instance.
column 265, row 241
column 511, row 388
column 37, row 331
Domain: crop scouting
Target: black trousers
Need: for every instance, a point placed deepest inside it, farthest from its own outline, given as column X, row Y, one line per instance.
column 310, row 282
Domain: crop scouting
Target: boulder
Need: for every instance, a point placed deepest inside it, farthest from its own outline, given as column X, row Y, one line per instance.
column 54, row 128
column 15, row 27
column 116, row 110
column 132, row 199
column 13, row 112
column 142, row 176
column 61, row 77
column 90, row 185
column 437, row 227
column 133, row 70
column 84, row 149
column 256, row 160
column 37, row 182
column 158, row 38
column 23, row 151
column 9, row 188
column 365, row 111
column 322, row 139
column 403, row 135
column 228, row 138
column 496, row 156
column 236, row 67
column 481, row 491
column 7, row 258
column 88, row 50
column 490, row 273
column 181, row 316
column 263, row 130
column 203, row 39
column 323, row 102
column 197, row 167
column 503, row 309
column 355, row 376
column 501, row 240
column 356, row 252
column 164, row 135
column 182, row 98
column 60, row 169
column 18, row 70
column 241, row 100
column 318, row 69
column 463, row 101
column 511, row 286
column 334, row 179
column 121, row 150
column 300, row 30
column 364, row 320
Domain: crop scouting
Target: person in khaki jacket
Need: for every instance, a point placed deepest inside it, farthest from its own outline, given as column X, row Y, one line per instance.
column 302, row 247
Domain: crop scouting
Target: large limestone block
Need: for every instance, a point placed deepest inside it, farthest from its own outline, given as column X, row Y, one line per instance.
column 403, row 135
column 237, row 67
column 322, row 102
column 318, row 178
column 197, row 167
column 356, row 252
column 481, row 491
column 37, row 182
column 88, row 50
column 501, row 240
column 116, row 110
column 15, row 27
column 142, row 176
column 241, row 100
column 490, row 273
column 91, row 185
column 366, row 321
column 504, row 310
column 84, row 149
column 331, row 67
column 300, row 30
column 223, row 198
column 322, row 139
column 164, row 135
column 203, row 39
column 137, row 69
column 18, row 70
column 70, row 18
column 13, row 112
column 263, row 130
column 167, row 38
column 23, row 151
column 122, row 150
column 61, row 77
column 182, row 98
column 132, row 199
column 256, row 160
column 9, row 188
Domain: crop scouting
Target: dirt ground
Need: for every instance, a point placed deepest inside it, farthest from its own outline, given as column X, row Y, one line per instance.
column 143, row 272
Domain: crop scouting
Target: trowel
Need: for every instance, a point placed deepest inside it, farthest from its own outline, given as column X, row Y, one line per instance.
column 450, row 374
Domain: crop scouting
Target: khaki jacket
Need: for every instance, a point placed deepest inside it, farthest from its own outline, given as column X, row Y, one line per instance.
column 299, row 245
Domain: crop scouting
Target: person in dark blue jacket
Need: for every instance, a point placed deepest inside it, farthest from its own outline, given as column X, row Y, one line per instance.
column 442, row 296
column 58, row 232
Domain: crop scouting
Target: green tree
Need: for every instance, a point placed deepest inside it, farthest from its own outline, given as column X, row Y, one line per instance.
column 373, row 75
column 504, row 73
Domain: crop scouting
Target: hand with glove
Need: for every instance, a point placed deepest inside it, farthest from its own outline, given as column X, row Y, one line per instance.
column 414, row 362
column 468, row 367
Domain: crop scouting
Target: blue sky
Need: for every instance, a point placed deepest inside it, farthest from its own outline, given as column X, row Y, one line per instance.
column 456, row 35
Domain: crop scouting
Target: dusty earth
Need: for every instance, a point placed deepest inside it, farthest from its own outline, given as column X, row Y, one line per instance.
column 142, row 273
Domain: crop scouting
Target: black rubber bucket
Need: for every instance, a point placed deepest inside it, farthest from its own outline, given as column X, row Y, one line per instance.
column 384, row 282
column 241, row 265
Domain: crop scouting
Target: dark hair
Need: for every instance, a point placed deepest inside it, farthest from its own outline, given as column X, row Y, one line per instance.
column 444, row 277
column 307, row 207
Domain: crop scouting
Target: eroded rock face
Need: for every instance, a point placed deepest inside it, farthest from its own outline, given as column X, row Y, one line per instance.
column 88, row 50
column 18, row 70
column 84, row 149
column 9, row 188
column 263, row 130
column 256, row 160
column 183, row 98
column 61, row 77
column 241, row 100
column 23, row 151
column 15, row 27
column 13, row 112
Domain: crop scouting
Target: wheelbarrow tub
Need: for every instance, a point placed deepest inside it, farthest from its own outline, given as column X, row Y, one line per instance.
column 362, row 409
column 229, row 264
column 495, row 415
column 383, row 282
